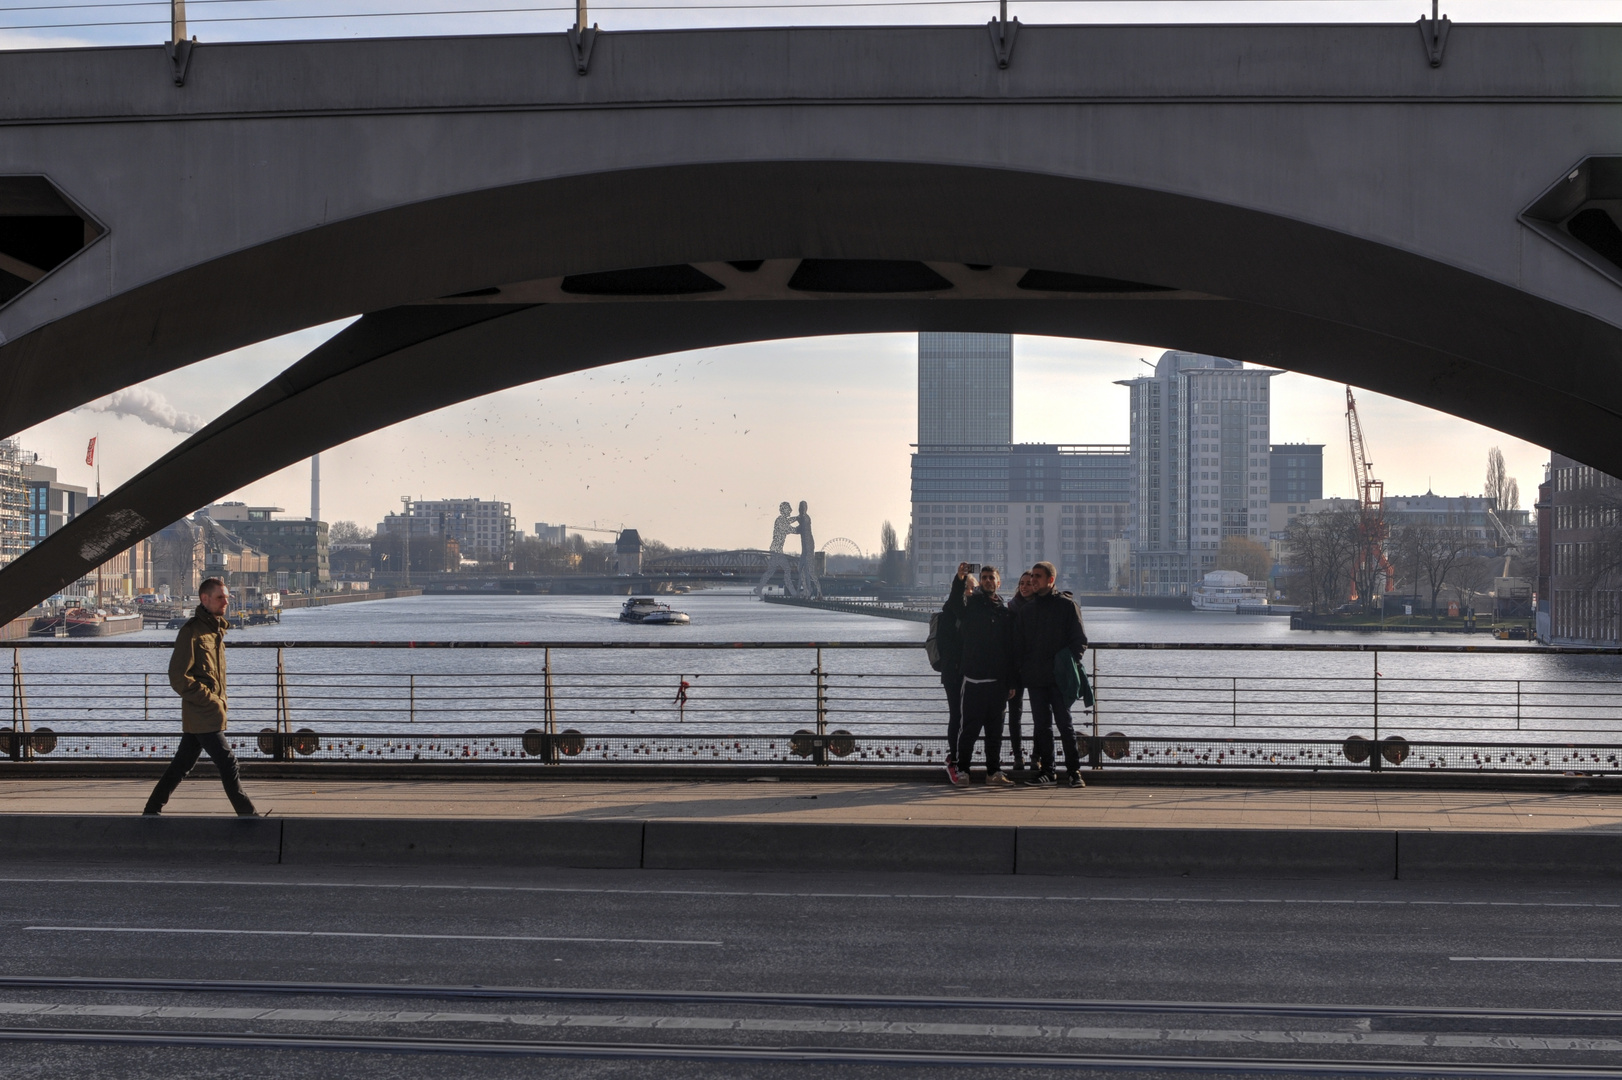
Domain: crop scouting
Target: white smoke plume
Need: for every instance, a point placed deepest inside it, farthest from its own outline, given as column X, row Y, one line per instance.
column 149, row 407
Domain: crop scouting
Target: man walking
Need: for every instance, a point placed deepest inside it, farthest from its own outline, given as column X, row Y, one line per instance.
column 1048, row 624
column 988, row 672
column 1016, row 697
column 197, row 673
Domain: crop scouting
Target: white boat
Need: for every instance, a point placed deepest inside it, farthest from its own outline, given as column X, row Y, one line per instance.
column 1229, row 590
column 645, row 609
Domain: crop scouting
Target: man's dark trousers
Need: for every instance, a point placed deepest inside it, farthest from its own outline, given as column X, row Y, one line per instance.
column 1015, row 705
column 1047, row 708
column 952, row 680
column 219, row 751
column 982, row 710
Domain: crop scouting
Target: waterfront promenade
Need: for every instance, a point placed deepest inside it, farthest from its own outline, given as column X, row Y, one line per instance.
column 874, row 802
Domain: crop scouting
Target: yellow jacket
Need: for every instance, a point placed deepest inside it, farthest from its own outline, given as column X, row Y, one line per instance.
column 197, row 673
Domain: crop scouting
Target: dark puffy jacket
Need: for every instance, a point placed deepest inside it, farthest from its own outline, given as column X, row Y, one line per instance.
column 988, row 639
column 1043, row 625
column 949, row 634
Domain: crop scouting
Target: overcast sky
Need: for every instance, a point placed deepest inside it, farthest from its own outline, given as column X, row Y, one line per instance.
column 698, row 448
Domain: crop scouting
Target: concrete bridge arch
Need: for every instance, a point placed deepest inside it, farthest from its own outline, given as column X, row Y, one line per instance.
column 501, row 219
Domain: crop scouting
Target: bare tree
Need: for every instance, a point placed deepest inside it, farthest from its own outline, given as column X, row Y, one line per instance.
column 1473, row 577
column 1320, row 549
column 1430, row 554
column 1247, row 556
column 1501, row 490
column 347, row 532
column 893, row 561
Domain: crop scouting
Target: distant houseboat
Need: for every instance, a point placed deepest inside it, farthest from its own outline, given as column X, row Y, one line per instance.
column 83, row 622
column 1229, row 590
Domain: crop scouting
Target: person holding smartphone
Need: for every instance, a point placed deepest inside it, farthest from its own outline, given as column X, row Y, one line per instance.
column 986, row 633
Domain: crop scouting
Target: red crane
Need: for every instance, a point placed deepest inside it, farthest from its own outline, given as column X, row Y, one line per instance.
column 1370, row 565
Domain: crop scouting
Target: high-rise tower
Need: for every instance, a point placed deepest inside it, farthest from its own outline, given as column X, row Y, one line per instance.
column 965, row 390
column 1200, row 427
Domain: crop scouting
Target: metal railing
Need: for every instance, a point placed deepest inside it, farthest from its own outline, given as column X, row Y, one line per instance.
column 1209, row 706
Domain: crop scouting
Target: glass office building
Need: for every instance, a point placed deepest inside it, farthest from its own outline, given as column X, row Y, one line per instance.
column 965, row 389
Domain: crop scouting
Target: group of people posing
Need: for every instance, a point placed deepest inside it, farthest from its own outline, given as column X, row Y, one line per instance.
column 994, row 653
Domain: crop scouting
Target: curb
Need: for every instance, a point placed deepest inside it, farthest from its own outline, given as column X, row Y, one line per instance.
column 1280, row 853
column 86, row 838
column 1370, row 855
column 602, row 845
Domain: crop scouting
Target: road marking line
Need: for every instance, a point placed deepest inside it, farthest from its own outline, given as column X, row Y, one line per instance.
column 593, row 891
column 1537, row 959
column 358, row 934
column 892, row 1028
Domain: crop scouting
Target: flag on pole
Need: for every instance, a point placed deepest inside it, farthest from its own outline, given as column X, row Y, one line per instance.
column 90, row 453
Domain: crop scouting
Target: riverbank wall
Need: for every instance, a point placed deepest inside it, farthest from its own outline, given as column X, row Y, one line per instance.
column 17, row 628
column 1308, row 622
column 854, row 607
column 329, row 599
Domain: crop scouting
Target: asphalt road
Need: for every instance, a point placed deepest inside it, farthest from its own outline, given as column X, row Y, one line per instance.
column 688, row 971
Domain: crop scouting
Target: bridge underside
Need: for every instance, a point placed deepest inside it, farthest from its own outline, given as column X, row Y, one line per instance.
column 483, row 291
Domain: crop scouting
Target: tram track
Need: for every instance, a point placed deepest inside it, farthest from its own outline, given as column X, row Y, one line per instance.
column 815, row 1001
column 797, row 1054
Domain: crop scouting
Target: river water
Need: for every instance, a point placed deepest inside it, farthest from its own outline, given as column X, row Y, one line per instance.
column 1488, row 694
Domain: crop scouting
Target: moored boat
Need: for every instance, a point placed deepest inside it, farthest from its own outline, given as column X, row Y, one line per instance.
column 83, row 622
column 1229, row 590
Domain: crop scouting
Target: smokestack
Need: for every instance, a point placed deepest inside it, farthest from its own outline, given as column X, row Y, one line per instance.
column 315, row 488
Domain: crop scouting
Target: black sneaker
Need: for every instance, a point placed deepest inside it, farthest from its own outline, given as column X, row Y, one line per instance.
column 1075, row 780
column 1042, row 779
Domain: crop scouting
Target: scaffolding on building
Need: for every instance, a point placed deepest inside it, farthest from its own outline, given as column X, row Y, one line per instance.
column 13, row 501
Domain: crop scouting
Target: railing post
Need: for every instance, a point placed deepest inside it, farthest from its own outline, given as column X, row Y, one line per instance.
column 1098, row 701
column 146, row 697
column 1374, row 755
column 1236, row 701
column 822, row 697
column 1517, row 704
column 284, row 719
column 411, row 693
column 1095, row 745
column 19, row 708
column 549, row 715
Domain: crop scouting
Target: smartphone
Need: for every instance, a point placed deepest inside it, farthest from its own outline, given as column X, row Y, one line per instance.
column 974, row 568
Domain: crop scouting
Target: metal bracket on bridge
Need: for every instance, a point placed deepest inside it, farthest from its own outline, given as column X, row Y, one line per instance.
column 581, row 38
column 179, row 58
column 581, row 42
column 180, row 44
column 1433, row 33
column 1003, row 32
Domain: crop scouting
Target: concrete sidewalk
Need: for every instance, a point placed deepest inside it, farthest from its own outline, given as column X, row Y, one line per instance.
column 877, row 802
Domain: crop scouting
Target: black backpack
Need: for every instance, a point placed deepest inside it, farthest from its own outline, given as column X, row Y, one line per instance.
column 932, row 643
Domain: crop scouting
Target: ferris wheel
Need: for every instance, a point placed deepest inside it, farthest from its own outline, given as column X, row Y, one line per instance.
column 855, row 549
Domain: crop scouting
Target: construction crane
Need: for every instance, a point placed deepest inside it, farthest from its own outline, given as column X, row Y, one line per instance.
column 1370, row 563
